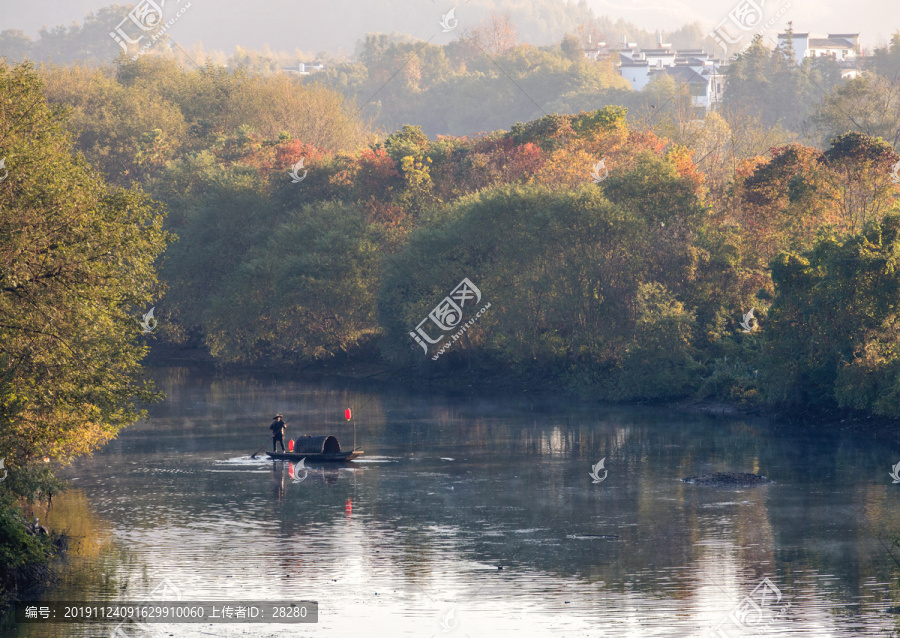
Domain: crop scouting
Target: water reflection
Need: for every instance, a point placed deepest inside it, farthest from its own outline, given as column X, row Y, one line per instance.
column 486, row 508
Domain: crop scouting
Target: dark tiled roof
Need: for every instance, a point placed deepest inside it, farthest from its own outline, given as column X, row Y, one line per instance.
column 685, row 74
column 828, row 43
column 796, row 35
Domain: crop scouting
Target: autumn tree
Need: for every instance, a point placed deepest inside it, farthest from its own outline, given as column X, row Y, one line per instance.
column 589, row 35
column 859, row 174
column 495, row 35
column 76, row 274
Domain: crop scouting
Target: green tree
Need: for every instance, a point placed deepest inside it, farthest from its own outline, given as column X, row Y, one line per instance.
column 886, row 59
column 78, row 265
column 770, row 83
column 85, row 43
column 109, row 122
column 76, row 274
column 571, row 47
column 833, row 333
column 220, row 213
column 306, row 294
column 869, row 104
column 586, row 288
column 15, row 45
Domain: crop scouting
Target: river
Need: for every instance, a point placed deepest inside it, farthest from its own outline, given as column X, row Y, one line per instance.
column 479, row 517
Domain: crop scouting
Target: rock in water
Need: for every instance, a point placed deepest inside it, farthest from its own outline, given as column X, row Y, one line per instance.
column 728, row 479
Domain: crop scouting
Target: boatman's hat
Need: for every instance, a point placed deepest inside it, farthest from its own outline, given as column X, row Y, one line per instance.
column 277, row 416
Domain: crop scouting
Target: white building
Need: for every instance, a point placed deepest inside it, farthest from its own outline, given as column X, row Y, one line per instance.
column 705, row 78
column 637, row 72
column 304, row 69
column 843, row 48
column 840, row 46
column 698, row 69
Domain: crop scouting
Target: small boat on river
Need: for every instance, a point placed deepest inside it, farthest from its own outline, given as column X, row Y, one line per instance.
column 316, row 448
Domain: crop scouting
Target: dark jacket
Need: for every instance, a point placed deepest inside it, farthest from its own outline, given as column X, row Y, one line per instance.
column 277, row 428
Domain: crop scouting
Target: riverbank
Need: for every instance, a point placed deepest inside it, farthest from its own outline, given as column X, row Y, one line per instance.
column 29, row 553
column 470, row 382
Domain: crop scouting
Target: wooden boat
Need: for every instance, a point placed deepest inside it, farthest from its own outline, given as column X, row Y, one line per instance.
column 316, row 448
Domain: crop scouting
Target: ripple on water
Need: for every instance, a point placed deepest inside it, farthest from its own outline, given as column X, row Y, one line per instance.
column 397, row 562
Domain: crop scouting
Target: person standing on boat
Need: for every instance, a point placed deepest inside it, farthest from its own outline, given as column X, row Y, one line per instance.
column 277, row 428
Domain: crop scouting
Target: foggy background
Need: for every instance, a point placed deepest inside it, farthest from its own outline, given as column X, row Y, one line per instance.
column 335, row 26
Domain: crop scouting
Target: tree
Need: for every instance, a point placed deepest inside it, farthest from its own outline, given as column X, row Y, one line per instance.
column 495, row 35
column 571, row 48
column 76, row 274
column 781, row 203
column 315, row 301
column 589, row 35
column 108, row 122
column 886, row 60
column 86, row 43
column 15, row 45
column 78, row 265
column 590, row 286
column 859, row 175
column 869, row 104
column 833, row 330
column 772, row 84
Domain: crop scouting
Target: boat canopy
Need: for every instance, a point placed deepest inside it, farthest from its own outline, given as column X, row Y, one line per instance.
column 317, row 445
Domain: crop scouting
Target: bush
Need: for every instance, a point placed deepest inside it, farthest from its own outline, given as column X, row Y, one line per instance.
column 24, row 552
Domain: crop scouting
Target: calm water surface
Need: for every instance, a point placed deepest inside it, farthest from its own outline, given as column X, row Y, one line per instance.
column 450, row 490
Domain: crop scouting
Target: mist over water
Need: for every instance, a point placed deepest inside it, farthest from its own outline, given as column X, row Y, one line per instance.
column 452, row 489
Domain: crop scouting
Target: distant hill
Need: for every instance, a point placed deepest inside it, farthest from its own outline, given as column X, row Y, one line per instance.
column 304, row 25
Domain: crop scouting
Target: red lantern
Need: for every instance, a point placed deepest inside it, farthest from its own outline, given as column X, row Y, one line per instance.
column 291, row 445
column 347, row 414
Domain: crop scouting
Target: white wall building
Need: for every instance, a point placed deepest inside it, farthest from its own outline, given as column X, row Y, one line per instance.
column 840, row 46
column 703, row 73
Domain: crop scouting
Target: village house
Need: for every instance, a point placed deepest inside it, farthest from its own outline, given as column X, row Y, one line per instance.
column 706, row 75
column 843, row 48
column 699, row 70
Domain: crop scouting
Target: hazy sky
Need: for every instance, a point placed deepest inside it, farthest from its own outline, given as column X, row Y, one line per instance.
column 314, row 25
